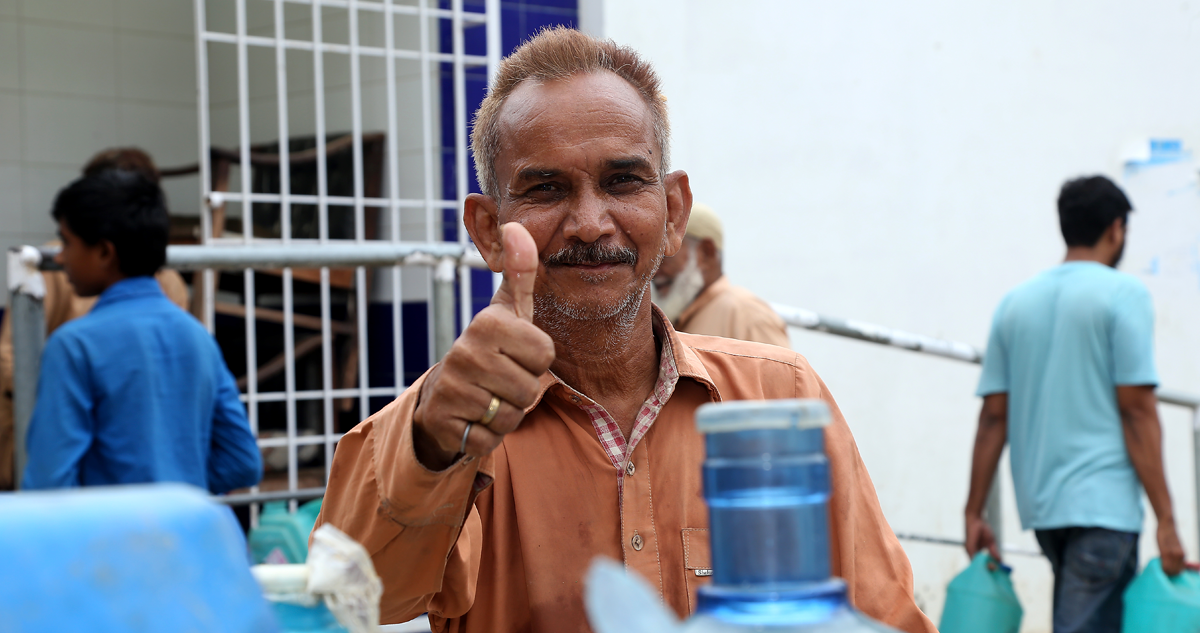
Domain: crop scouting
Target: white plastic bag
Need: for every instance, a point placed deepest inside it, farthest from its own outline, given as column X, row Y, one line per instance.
column 341, row 571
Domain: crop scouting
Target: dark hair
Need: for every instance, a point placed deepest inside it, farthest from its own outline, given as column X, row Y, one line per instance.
column 123, row 207
column 123, row 158
column 1087, row 207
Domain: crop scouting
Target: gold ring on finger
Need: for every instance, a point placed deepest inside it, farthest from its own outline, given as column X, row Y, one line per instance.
column 490, row 414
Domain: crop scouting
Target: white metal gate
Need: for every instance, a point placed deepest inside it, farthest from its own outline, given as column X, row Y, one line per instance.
column 273, row 70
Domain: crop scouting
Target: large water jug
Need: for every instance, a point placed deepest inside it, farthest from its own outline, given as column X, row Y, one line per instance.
column 981, row 599
column 766, row 481
column 148, row 558
column 1157, row 603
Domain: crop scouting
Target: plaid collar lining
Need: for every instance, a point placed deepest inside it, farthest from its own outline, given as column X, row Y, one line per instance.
column 616, row 446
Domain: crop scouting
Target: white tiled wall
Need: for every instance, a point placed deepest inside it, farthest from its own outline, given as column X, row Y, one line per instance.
column 77, row 76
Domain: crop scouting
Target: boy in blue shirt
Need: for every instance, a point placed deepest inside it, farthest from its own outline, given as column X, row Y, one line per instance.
column 136, row 391
column 1068, row 381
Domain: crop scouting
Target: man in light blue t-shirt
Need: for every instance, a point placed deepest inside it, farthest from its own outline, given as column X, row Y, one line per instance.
column 1068, row 381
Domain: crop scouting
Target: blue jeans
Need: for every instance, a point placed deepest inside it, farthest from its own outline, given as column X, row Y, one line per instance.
column 1092, row 567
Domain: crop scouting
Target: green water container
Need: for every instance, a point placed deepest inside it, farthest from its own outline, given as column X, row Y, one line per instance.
column 281, row 536
column 1157, row 603
column 981, row 599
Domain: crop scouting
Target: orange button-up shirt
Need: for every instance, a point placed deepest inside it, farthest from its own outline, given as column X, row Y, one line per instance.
column 501, row 543
column 724, row 309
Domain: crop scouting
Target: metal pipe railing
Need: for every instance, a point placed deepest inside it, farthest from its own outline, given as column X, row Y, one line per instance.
column 26, row 262
column 26, row 288
column 964, row 352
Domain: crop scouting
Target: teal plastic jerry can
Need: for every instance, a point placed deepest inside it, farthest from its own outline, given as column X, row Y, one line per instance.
column 1157, row 603
column 982, row 600
column 282, row 537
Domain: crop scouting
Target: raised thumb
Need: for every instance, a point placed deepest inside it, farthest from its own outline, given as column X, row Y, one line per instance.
column 520, row 264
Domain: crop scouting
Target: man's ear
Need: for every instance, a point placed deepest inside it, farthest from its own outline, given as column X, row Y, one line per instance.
column 108, row 255
column 481, row 215
column 1118, row 228
column 679, row 208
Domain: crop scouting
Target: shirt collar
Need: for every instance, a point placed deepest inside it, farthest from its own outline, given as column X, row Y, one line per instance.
column 129, row 288
column 676, row 357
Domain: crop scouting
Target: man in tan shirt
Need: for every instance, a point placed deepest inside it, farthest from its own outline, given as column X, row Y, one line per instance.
column 560, row 425
column 692, row 290
column 61, row 304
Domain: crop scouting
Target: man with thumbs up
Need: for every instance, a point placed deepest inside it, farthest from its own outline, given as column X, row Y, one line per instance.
column 560, row 425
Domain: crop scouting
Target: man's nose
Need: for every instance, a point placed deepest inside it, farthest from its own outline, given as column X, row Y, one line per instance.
column 589, row 219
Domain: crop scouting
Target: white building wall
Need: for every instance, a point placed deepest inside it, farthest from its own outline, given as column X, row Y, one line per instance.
column 898, row 163
column 77, row 76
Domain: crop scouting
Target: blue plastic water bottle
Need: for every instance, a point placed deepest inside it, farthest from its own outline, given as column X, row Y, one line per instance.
column 766, row 480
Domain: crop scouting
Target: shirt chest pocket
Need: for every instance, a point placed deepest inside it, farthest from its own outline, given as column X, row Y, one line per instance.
column 697, row 562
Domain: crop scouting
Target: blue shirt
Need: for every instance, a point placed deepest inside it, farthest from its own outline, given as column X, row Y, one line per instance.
column 1060, row 345
column 137, row 391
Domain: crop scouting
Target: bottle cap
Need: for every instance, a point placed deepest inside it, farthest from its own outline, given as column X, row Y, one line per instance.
column 751, row 415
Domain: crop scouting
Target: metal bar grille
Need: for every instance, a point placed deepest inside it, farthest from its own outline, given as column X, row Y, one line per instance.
column 346, row 41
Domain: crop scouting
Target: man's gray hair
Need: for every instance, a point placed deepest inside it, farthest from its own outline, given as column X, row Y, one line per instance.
column 559, row 53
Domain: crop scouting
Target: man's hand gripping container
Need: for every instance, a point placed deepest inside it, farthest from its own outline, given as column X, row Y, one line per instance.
column 766, row 481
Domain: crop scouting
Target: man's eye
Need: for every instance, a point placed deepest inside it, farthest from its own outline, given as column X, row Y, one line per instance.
column 624, row 179
column 544, row 187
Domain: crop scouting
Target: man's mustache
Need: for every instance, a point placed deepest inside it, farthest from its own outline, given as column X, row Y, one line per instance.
column 594, row 254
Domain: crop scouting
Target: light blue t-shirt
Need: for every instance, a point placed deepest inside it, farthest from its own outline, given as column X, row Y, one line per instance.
column 1060, row 345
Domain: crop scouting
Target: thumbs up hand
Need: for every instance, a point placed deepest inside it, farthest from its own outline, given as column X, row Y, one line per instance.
column 520, row 269
column 491, row 373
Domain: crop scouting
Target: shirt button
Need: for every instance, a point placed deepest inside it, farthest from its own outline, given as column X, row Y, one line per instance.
column 636, row 541
column 629, row 468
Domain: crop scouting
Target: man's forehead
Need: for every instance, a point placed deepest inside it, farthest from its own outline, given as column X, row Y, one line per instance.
column 585, row 104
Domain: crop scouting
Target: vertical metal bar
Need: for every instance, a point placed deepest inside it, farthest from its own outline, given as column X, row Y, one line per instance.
column 319, row 119
column 427, row 146
column 356, row 121
column 495, row 50
column 244, row 167
column 202, row 282
column 1196, row 466
column 494, row 45
column 326, row 370
column 393, row 160
column 285, row 217
column 992, row 511
column 443, row 324
column 360, row 273
column 461, row 169
column 245, row 173
column 281, row 100
column 28, row 338
column 323, row 234
column 251, row 351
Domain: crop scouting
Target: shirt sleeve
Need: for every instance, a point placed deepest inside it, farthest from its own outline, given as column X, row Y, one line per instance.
column 994, row 377
column 62, row 426
column 420, row 527
column 1132, row 337
column 234, row 460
